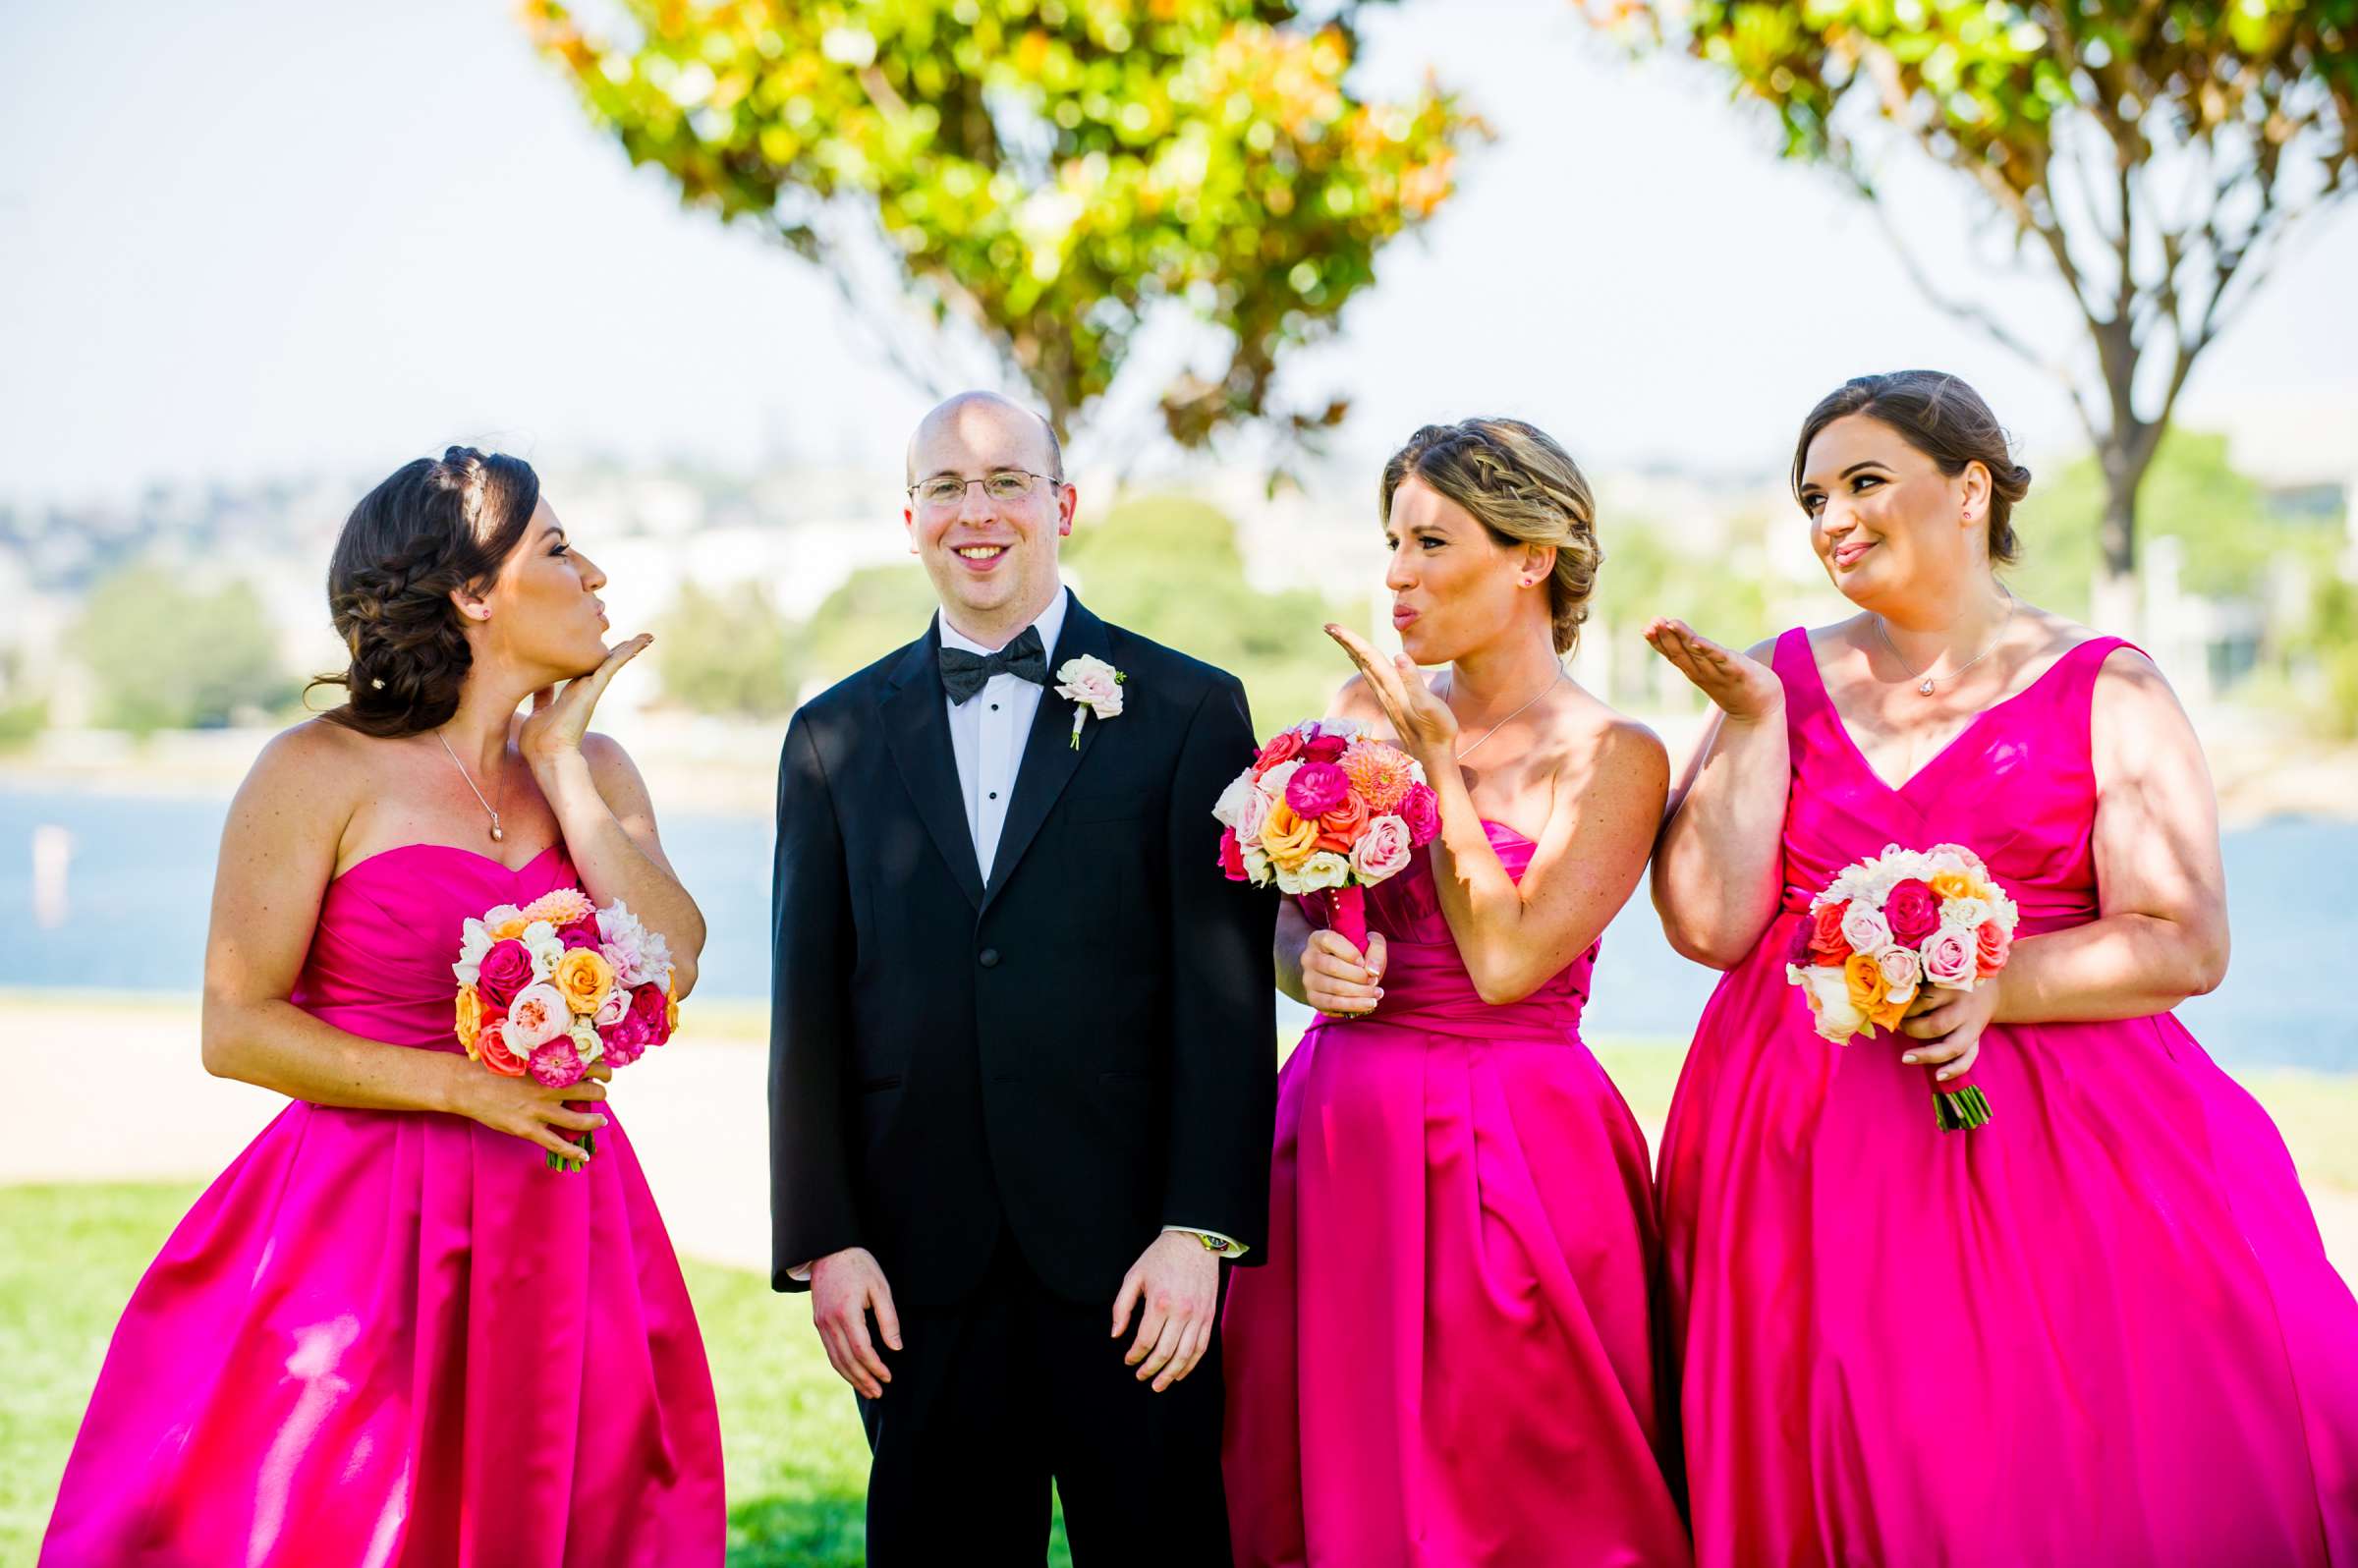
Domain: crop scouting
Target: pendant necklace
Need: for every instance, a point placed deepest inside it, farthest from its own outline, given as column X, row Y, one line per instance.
column 1511, row 717
column 498, row 836
column 1925, row 682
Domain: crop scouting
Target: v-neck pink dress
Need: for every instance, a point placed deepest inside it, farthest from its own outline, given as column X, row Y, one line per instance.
column 2099, row 1331
column 396, row 1337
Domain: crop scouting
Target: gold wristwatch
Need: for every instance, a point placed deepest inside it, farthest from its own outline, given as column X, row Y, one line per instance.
column 1215, row 1244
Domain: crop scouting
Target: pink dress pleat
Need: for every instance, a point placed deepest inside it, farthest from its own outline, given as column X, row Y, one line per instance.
column 2099, row 1331
column 1448, row 1356
column 394, row 1337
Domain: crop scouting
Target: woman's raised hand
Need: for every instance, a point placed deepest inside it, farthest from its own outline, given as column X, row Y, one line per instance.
column 1337, row 978
column 1427, row 728
column 1743, row 687
column 561, row 718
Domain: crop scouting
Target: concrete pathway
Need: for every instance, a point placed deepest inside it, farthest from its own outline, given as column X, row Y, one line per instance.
column 119, row 1093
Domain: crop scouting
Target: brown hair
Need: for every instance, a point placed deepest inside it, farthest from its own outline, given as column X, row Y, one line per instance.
column 1940, row 416
column 436, row 525
column 1523, row 489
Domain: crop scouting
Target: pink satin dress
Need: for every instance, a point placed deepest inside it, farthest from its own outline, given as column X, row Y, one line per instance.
column 2100, row 1330
column 1448, row 1356
column 394, row 1337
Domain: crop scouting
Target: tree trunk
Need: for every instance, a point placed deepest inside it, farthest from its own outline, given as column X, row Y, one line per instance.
column 2115, row 604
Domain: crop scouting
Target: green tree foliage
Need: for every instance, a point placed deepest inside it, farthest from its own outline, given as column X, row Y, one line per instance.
column 730, row 654
column 1167, row 568
column 2193, row 494
column 168, row 657
column 2151, row 154
column 1047, row 173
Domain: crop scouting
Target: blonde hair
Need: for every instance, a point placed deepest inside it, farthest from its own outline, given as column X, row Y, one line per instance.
column 1523, row 489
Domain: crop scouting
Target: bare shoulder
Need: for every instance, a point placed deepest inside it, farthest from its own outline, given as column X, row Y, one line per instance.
column 1355, row 700
column 1599, row 744
column 317, row 762
column 610, row 765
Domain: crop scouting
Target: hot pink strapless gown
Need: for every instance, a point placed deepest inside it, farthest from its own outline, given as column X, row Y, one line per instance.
column 2099, row 1331
column 394, row 1337
column 1448, row 1356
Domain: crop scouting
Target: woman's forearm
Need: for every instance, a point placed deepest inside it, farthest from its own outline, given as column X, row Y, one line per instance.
column 1482, row 903
column 1718, row 867
column 2119, row 966
column 614, row 867
column 276, row 1046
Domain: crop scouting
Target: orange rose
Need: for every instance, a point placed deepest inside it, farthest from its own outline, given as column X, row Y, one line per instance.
column 1286, row 838
column 509, row 929
column 1346, row 821
column 583, row 977
column 1887, row 1012
column 1956, row 884
column 1864, row 978
column 469, row 1020
column 671, row 1004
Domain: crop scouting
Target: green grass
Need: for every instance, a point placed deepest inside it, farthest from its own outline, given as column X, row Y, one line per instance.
column 797, row 1461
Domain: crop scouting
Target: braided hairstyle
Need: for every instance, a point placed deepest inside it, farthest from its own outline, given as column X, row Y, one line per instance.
column 1523, row 489
column 435, row 527
column 1940, row 416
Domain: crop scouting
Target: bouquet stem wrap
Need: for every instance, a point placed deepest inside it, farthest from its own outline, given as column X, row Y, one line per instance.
column 1958, row 1105
column 1347, row 914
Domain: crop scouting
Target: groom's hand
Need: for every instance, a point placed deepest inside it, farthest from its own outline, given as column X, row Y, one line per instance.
column 844, row 1287
column 1177, row 1283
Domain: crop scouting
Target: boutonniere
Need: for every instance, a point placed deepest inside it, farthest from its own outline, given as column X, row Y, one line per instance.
column 1095, row 686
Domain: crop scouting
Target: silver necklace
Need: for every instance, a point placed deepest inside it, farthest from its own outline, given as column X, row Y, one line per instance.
column 1509, row 719
column 1924, row 682
column 498, row 836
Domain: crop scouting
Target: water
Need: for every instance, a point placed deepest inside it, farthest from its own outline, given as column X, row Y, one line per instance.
column 136, row 910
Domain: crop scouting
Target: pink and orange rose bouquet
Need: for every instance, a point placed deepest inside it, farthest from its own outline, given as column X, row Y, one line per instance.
column 553, row 987
column 1888, row 927
column 1324, row 808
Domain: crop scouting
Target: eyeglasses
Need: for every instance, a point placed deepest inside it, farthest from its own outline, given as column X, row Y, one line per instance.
column 945, row 490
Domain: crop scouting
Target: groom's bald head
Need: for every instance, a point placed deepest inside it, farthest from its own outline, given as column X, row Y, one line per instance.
column 976, row 422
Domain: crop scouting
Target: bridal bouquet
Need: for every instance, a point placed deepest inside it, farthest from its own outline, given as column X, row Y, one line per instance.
column 553, row 987
column 1887, row 927
column 1323, row 809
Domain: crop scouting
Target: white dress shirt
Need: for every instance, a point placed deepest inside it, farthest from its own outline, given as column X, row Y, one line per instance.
column 988, row 732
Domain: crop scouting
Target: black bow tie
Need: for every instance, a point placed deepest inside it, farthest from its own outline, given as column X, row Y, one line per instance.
column 963, row 673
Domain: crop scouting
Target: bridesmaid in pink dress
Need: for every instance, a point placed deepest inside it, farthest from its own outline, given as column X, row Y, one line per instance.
column 2100, row 1330
column 1449, row 1358
column 388, row 1333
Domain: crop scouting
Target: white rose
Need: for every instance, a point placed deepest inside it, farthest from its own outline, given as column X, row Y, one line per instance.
column 1253, row 813
column 1325, row 868
column 614, row 1008
column 1349, row 729
column 1864, row 928
column 1274, row 781
column 586, row 1044
column 475, row 940
column 1902, row 972
column 1091, row 680
column 1289, row 879
column 1257, row 865
column 540, row 939
column 1229, row 809
column 1828, row 997
column 1968, row 911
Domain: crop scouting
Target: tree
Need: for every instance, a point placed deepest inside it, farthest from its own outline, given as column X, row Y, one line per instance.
column 167, row 656
column 1047, row 174
column 732, row 654
column 2151, row 155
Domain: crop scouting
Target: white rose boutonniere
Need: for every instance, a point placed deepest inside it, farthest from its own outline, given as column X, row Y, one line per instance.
column 1093, row 686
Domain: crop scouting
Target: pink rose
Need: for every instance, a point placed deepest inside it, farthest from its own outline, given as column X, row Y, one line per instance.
column 1232, row 856
column 1382, row 849
column 1902, row 972
column 507, row 968
column 581, row 933
column 650, row 1013
column 1949, row 959
column 613, row 1009
column 1913, row 911
column 537, row 1016
column 1421, row 810
column 556, row 1065
column 1326, row 748
column 1315, row 788
column 1990, row 944
column 1283, row 747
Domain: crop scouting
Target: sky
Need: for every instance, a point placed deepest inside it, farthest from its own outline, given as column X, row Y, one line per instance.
column 293, row 237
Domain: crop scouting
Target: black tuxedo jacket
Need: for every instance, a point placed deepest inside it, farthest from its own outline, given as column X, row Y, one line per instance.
column 1083, row 1049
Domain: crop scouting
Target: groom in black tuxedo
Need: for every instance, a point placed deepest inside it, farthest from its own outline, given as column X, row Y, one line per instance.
column 1023, row 1046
